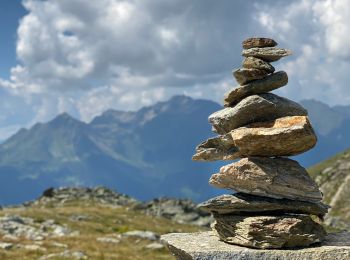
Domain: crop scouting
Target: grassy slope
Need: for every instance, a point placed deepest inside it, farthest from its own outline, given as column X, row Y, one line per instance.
column 333, row 177
column 103, row 221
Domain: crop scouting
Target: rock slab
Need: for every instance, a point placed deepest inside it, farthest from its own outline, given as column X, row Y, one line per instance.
column 270, row 177
column 268, row 54
column 255, row 108
column 241, row 203
column 264, row 232
column 264, row 85
column 206, row 246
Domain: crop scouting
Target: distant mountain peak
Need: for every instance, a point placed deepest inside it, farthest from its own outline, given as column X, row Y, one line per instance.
column 64, row 118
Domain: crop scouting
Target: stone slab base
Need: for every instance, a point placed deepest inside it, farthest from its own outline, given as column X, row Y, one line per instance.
column 206, row 245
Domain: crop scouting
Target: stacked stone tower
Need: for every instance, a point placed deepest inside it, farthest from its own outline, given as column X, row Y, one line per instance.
column 277, row 204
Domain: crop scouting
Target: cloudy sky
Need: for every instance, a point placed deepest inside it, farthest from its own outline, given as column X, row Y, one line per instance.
column 83, row 57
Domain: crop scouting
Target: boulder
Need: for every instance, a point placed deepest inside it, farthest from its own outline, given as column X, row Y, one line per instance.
column 258, row 42
column 268, row 54
column 268, row 231
column 255, row 108
column 264, row 85
column 255, row 63
column 240, row 203
column 285, row 136
column 243, row 76
column 270, row 177
column 206, row 246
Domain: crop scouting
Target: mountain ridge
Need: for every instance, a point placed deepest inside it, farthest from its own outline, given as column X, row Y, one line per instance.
column 142, row 153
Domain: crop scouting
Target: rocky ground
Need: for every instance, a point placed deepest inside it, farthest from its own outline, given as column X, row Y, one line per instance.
column 97, row 223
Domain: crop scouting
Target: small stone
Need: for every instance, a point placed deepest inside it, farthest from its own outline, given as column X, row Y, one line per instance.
column 268, row 54
column 255, row 108
column 267, row 84
column 76, row 255
column 142, row 234
column 278, row 178
column 268, row 231
column 217, row 148
column 284, row 136
column 61, row 245
column 205, row 245
column 155, row 246
column 243, row 76
column 34, row 248
column 255, row 63
column 60, row 231
column 258, row 42
column 6, row 246
column 240, row 203
column 108, row 240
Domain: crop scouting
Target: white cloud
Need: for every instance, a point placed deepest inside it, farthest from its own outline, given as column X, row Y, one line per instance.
column 84, row 57
column 318, row 32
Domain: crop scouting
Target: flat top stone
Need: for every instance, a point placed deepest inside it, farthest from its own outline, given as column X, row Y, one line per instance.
column 258, row 42
column 206, row 245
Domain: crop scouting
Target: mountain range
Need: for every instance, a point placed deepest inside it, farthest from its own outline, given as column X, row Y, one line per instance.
column 145, row 154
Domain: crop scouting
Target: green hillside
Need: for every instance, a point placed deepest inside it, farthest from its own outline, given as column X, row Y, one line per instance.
column 333, row 177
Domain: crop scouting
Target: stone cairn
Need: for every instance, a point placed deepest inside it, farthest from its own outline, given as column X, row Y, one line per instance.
column 277, row 204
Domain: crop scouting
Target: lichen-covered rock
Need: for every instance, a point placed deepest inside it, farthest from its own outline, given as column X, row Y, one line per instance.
column 206, row 246
column 255, row 108
column 240, row 203
column 243, row 76
column 285, row 136
column 268, row 231
column 268, row 54
column 255, row 63
column 264, row 85
column 258, row 42
column 270, row 177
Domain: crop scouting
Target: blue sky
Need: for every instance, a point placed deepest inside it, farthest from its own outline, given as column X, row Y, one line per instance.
column 84, row 57
column 10, row 13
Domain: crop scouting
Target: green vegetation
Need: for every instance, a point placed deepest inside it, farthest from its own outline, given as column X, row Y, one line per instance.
column 101, row 221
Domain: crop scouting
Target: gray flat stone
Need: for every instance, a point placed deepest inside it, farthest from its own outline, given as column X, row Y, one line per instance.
column 241, row 203
column 206, row 246
column 256, row 108
column 282, row 231
column 268, row 54
column 260, row 86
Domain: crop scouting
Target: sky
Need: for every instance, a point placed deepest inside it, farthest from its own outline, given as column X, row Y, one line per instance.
column 84, row 57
